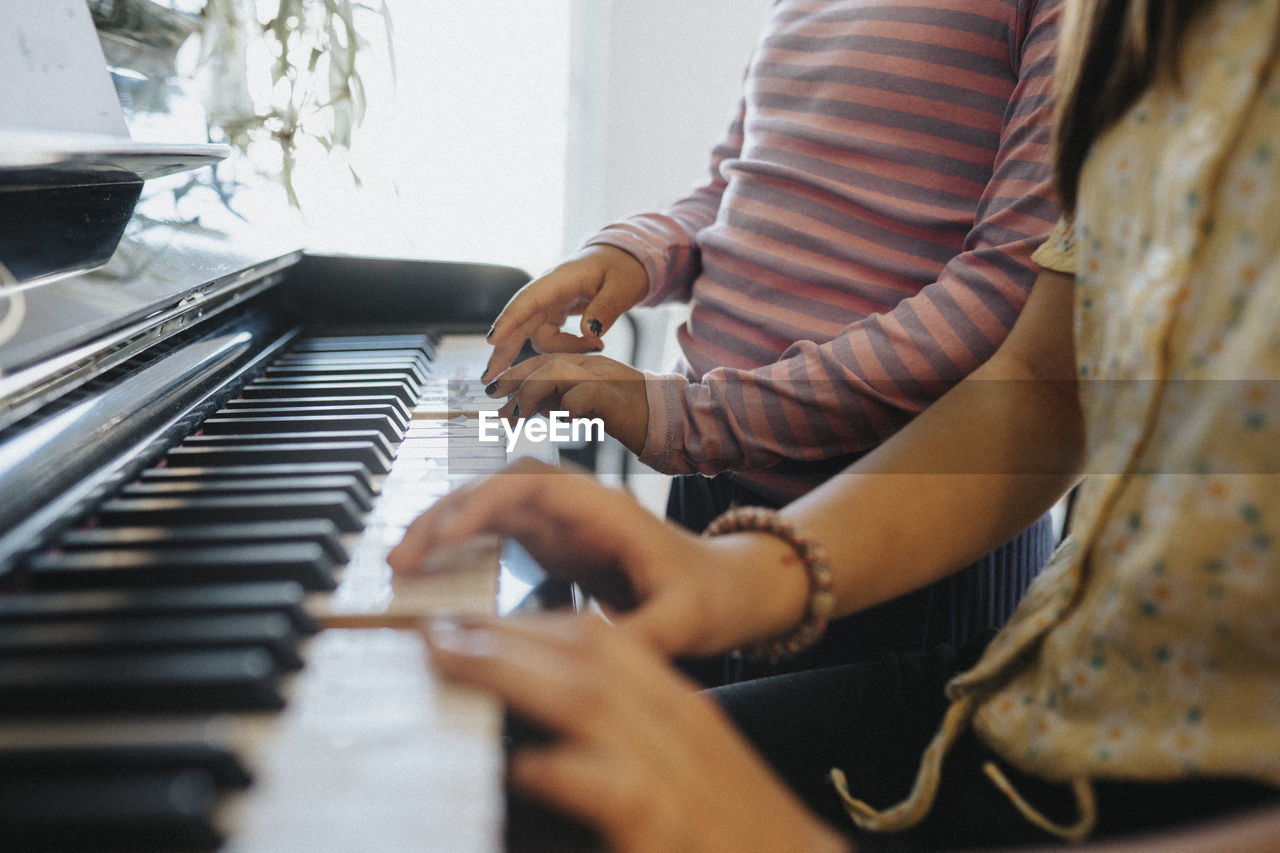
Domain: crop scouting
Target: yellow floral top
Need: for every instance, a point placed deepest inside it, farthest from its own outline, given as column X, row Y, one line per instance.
column 1149, row 648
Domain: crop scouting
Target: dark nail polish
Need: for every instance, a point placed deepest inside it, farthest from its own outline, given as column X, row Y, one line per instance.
column 491, row 387
column 489, row 334
column 595, row 327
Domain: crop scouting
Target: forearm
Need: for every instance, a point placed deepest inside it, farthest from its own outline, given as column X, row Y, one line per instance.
column 931, row 500
column 848, row 394
column 977, row 467
column 819, row 401
column 966, row 475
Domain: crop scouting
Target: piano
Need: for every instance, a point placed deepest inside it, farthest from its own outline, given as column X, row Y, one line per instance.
column 209, row 439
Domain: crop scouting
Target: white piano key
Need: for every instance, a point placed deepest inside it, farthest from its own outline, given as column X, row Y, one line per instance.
column 372, row 753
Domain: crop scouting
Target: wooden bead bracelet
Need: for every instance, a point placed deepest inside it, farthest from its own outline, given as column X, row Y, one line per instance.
column 821, row 602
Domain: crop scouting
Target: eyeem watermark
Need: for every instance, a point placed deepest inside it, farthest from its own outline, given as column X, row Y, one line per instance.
column 557, row 428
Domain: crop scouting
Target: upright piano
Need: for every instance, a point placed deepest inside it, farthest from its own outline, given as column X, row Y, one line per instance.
column 209, row 439
column 188, row 498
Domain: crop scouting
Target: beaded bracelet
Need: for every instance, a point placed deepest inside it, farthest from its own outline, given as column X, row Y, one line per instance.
column 821, row 601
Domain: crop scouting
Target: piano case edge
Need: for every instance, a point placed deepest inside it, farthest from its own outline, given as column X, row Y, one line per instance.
column 446, row 296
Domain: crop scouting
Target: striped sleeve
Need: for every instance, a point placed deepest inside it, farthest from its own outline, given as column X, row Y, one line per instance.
column 829, row 395
column 667, row 243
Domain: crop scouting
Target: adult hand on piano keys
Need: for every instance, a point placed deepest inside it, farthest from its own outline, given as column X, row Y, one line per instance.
column 585, row 386
column 681, row 594
column 638, row 753
column 600, row 283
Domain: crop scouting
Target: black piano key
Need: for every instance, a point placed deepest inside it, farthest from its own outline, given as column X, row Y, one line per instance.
column 165, row 810
column 396, row 377
column 284, row 597
column 206, row 474
column 394, row 357
column 338, row 388
column 402, row 408
column 421, row 344
column 270, row 632
column 387, row 352
column 335, row 506
column 346, row 371
column 381, row 424
column 87, row 759
column 370, row 340
column 267, row 410
column 318, row 531
column 364, row 343
column 372, row 437
column 302, row 562
column 206, row 680
column 393, row 381
column 350, row 486
column 364, row 452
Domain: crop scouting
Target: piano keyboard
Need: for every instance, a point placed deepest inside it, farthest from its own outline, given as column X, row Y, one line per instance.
column 209, row 659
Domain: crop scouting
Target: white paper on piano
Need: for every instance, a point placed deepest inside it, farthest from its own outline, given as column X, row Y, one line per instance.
column 54, row 70
column 58, row 105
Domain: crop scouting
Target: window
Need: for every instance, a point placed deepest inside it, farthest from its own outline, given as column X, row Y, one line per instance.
column 463, row 156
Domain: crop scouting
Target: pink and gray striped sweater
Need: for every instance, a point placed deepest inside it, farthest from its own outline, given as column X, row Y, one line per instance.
column 864, row 239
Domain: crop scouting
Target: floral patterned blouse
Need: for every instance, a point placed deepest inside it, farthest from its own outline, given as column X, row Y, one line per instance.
column 1150, row 647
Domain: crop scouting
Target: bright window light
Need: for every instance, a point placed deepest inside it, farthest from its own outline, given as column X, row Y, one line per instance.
column 462, row 157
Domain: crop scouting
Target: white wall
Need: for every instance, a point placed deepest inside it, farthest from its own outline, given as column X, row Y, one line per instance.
column 463, row 158
column 478, row 152
column 654, row 86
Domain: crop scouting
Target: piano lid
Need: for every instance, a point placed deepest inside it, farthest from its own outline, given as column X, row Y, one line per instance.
column 183, row 254
column 70, row 174
column 24, row 150
column 127, row 245
column 65, row 198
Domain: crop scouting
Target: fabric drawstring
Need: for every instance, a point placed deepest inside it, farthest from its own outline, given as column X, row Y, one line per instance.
column 913, row 809
column 1085, row 801
column 917, row 804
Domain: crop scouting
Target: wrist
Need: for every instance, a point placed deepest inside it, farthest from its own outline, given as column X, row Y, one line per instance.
column 781, row 598
column 626, row 273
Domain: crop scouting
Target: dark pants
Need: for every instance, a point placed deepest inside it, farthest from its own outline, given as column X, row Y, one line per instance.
column 873, row 721
column 953, row 610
